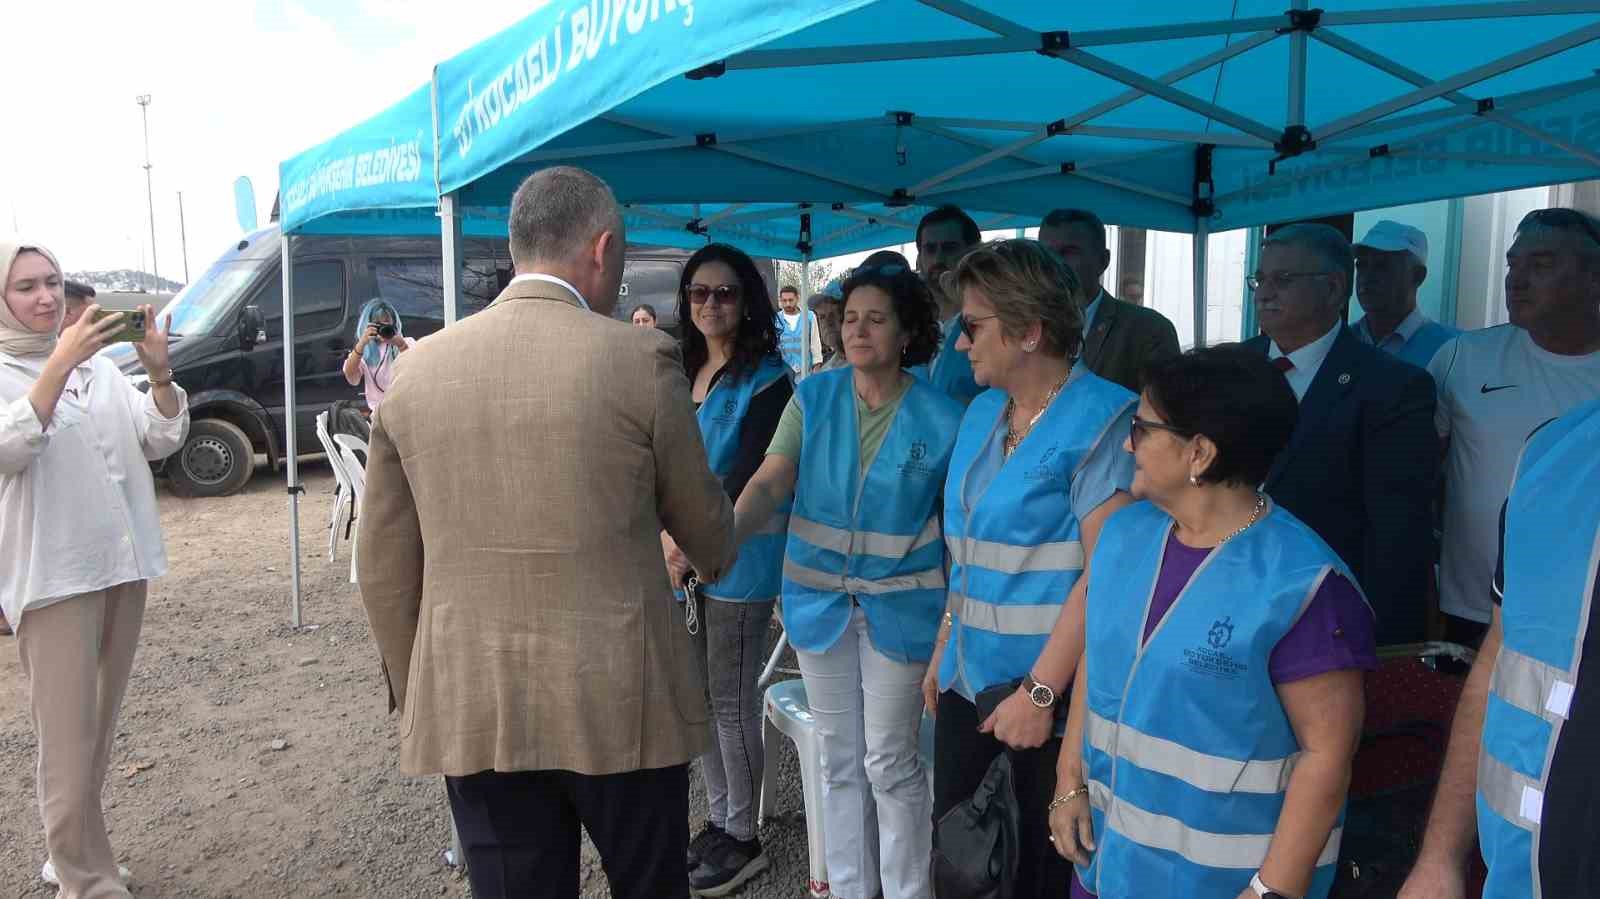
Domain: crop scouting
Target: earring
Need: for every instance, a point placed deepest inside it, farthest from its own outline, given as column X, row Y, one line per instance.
column 1029, row 347
column 1194, row 480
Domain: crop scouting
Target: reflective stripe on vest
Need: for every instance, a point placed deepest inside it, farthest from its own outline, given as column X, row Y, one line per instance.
column 868, row 535
column 1206, row 776
column 1201, row 847
column 1014, row 547
column 1207, row 772
column 1551, row 552
column 1007, row 559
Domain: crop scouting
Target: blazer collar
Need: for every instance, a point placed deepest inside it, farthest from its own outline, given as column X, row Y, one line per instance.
column 538, row 289
column 1334, row 381
column 1104, row 320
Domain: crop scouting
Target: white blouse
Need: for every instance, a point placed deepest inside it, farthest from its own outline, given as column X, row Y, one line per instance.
column 77, row 501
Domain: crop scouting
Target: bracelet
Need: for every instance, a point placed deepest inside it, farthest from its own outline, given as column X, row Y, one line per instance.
column 164, row 380
column 1066, row 797
column 949, row 619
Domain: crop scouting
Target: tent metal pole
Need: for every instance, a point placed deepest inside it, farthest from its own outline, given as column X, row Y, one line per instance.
column 1460, row 80
column 1385, row 64
column 1296, row 114
column 1108, row 69
column 450, row 255
column 290, row 427
column 805, row 315
column 1201, row 231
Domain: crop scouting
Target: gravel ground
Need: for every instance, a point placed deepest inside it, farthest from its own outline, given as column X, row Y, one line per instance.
column 254, row 760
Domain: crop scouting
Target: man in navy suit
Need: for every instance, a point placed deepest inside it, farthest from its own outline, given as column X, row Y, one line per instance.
column 1363, row 464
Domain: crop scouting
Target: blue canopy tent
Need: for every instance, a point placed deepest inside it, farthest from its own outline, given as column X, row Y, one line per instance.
column 802, row 123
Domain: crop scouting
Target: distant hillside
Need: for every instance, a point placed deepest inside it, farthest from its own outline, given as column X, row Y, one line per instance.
column 124, row 280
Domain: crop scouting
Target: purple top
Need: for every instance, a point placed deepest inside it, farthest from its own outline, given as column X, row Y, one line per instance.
column 1334, row 634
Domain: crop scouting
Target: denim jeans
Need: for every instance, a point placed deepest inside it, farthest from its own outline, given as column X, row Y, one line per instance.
column 732, row 643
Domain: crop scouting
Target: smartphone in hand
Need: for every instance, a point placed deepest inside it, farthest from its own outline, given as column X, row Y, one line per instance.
column 132, row 330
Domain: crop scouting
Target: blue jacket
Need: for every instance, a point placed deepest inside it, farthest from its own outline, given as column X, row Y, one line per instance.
column 756, row 576
column 870, row 537
column 1015, row 554
column 1186, row 746
column 1552, row 538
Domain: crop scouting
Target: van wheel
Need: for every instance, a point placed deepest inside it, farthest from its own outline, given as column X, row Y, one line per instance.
column 216, row 460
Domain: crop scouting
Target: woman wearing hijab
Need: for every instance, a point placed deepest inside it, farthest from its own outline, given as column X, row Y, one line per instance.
column 380, row 339
column 82, row 540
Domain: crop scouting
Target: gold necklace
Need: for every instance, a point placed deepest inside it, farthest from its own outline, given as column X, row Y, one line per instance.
column 1012, row 437
column 1261, row 503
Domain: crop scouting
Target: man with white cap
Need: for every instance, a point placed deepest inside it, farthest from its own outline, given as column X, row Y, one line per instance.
column 1391, row 263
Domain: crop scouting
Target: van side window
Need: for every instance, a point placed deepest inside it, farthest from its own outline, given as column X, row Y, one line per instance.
column 416, row 288
column 319, row 297
column 653, row 281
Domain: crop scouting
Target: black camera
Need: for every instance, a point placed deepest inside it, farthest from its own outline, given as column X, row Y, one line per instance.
column 386, row 331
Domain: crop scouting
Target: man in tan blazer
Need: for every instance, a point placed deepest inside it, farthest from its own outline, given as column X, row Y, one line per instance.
column 1119, row 338
column 522, row 469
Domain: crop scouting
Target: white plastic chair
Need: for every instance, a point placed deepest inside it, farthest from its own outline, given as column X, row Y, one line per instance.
column 356, row 470
column 788, row 714
column 344, row 505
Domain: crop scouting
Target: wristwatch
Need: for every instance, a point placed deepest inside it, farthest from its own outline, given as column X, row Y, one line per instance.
column 1040, row 695
column 1262, row 890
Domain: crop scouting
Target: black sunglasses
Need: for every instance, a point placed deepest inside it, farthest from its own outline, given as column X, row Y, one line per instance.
column 723, row 294
column 1565, row 220
column 967, row 322
column 1137, row 424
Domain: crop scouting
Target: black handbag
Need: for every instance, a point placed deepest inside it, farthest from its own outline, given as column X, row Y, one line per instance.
column 976, row 844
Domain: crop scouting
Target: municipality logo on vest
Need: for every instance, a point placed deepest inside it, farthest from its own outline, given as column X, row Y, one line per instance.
column 730, row 411
column 1208, row 659
column 914, row 466
column 1043, row 471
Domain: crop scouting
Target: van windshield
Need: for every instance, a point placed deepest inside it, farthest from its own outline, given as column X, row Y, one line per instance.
column 197, row 308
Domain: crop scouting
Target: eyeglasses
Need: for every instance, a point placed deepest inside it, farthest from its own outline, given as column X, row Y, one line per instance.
column 722, row 294
column 1565, row 220
column 967, row 321
column 1137, row 424
column 1281, row 280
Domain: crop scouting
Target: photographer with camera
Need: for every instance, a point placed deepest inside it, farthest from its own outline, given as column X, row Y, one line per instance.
column 379, row 342
column 82, row 537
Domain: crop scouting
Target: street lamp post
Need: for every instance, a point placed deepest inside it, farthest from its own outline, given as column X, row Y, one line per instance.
column 149, row 193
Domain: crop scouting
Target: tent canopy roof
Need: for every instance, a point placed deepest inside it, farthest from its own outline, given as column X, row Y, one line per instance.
column 1206, row 113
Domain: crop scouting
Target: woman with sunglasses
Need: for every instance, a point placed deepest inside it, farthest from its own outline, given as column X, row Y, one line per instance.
column 1037, row 469
column 740, row 386
column 1219, row 702
column 863, row 451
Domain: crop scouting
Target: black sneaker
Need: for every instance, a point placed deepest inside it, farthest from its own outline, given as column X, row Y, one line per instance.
column 728, row 865
column 700, row 846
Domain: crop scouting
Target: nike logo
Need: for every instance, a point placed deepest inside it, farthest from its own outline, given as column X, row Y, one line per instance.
column 1487, row 389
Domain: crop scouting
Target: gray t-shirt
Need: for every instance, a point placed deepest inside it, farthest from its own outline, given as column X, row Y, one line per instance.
column 1495, row 387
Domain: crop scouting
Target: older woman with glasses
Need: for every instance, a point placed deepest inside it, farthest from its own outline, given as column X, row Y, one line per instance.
column 740, row 388
column 1037, row 468
column 863, row 451
column 1219, row 702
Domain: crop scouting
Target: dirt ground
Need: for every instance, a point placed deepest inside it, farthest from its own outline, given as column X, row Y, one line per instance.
column 203, row 798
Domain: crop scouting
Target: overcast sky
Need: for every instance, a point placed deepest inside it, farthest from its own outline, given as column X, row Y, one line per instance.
column 236, row 87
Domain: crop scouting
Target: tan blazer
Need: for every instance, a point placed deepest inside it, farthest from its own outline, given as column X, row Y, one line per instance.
column 522, row 468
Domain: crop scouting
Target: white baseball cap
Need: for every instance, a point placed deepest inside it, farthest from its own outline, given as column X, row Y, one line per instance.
column 1392, row 237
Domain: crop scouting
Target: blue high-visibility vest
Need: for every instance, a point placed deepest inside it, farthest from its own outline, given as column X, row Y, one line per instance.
column 1552, row 544
column 870, row 537
column 757, row 575
column 1186, row 745
column 789, row 338
column 1015, row 554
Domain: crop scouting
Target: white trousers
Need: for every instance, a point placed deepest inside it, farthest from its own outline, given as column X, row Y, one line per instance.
column 868, row 709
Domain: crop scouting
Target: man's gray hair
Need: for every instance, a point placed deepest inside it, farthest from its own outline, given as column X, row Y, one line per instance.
column 1329, row 245
column 557, row 213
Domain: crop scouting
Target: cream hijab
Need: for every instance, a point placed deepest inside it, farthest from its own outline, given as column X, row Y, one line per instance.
column 15, row 339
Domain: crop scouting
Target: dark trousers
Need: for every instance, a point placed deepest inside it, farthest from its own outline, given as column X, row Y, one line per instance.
column 520, row 831
column 962, row 756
